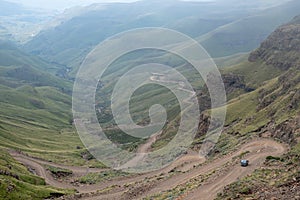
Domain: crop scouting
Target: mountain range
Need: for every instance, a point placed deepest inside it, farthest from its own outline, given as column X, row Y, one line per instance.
column 254, row 43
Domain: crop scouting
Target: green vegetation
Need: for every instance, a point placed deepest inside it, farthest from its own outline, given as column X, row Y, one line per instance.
column 272, row 108
column 59, row 172
column 35, row 118
column 246, row 34
column 255, row 73
column 35, row 101
column 16, row 182
column 11, row 56
column 35, row 109
column 228, row 61
column 272, row 158
column 250, row 112
column 40, row 126
column 93, row 178
column 144, row 97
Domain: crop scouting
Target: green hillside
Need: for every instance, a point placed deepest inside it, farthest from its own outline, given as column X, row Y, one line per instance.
column 35, row 114
column 145, row 97
column 69, row 42
column 247, row 33
column 35, row 118
column 18, row 183
column 272, row 110
column 11, row 55
column 262, row 87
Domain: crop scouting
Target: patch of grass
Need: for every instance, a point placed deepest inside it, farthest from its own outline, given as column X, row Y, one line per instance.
column 59, row 171
column 252, row 111
column 226, row 143
column 269, row 158
column 254, row 73
column 243, row 154
column 93, row 178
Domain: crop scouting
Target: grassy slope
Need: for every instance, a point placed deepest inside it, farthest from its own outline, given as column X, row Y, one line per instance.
column 255, row 74
column 250, row 113
column 16, row 182
column 35, row 117
column 10, row 55
column 228, row 61
column 34, row 123
column 69, row 43
column 247, row 33
column 273, row 108
column 35, row 109
column 149, row 95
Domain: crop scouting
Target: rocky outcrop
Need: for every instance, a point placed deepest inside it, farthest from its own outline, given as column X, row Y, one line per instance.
column 279, row 102
column 203, row 126
column 285, row 86
column 281, row 48
column 287, row 131
column 234, row 82
column 7, row 173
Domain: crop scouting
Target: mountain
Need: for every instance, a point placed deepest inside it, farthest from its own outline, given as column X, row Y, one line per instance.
column 96, row 23
column 93, row 24
column 272, row 110
column 35, row 117
column 20, row 67
column 36, row 123
column 247, row 33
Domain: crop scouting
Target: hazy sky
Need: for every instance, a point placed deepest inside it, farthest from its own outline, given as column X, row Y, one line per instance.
column 62, row 4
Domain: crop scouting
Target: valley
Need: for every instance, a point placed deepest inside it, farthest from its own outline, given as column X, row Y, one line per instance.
column 255, row 45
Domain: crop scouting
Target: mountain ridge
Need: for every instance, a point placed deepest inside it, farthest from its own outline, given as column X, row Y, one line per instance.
column 278, row 116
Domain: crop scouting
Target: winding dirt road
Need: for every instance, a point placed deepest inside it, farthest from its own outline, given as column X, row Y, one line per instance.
column 189, row 163
column 142, row 151
column 258, row 152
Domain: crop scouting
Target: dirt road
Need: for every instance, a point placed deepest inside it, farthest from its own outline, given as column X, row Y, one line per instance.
column 142, row 151
column 259, row 152
column 258, row 149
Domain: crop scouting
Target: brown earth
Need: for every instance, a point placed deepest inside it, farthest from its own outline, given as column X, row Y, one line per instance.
column 187, row 168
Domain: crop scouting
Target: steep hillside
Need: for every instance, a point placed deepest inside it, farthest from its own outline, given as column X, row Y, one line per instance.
column 16, row 182
column 35, row 105
column 272, row 110
column 12, row 56
column 69, row 42
column 264, row 102
column 247, row 33
column 35, row 117
column 96, row 23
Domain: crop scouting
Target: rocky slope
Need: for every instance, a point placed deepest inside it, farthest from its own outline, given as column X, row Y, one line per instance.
column 281, row 49
column 277, row 115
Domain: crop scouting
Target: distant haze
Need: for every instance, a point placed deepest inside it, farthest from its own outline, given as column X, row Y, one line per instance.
column 63, row 4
